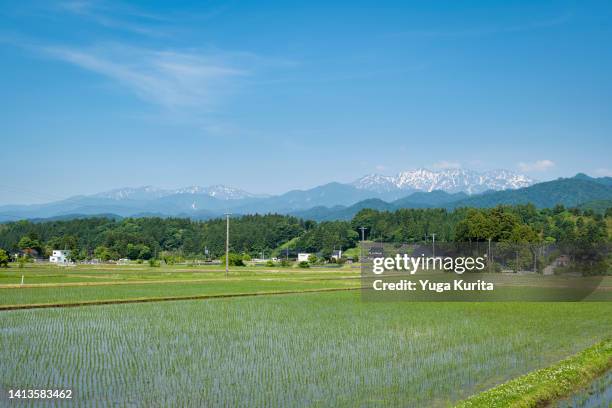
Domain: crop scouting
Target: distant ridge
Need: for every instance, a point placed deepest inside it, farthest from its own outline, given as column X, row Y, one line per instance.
column 569, row 192
column 217, row 191
column 328, row 201
column 68, row 217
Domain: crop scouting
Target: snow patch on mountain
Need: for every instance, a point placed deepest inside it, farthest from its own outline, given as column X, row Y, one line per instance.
column 217, row 191
column 449, row 180
column 377, row 183
column 132, row 193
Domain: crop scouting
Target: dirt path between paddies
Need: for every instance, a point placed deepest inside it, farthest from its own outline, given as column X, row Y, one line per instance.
column 166, row 299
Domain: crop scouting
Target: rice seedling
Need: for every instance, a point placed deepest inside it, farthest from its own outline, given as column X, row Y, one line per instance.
column 596, row 394
column 296, row 350
column 76, row 294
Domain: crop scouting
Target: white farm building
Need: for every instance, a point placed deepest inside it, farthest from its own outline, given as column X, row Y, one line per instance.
column 60, row 256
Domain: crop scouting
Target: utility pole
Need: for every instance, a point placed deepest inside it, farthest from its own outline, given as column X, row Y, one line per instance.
column 490, row 260
column 227, row 244
column 517, row 247
column 361, row 247
column 433, row 244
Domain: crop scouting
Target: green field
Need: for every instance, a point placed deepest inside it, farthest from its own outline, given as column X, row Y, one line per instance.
column 301, row 349
column 46, row 274
column 56, row 285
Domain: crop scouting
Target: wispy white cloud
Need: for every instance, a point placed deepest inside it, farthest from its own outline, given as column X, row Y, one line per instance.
column 189, row 86
column 117, row 17
column 444, row 164
column 538, row 165
column 168, row 78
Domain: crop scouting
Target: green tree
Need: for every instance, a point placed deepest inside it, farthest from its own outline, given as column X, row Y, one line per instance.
column 326, row 236
column 523, row 234
column 22, row 260
column 4, row 258
column 234, row 259
column 102, row 253
column 27, row 244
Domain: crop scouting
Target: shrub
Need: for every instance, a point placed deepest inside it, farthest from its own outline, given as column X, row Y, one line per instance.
column 22, row 260
column 234, row 259
column 4, row 259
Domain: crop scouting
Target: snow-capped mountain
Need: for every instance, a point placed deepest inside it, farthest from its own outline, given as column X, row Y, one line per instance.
column 449, row 180
column 217, row 191
column 133, row 193
column 409, row 189
column 376, row 183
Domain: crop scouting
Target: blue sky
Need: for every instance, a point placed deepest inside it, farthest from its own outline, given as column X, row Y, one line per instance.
column 271, row 96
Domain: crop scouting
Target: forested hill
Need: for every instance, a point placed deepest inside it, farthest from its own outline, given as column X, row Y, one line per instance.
column 145, row 238
column 570, row 192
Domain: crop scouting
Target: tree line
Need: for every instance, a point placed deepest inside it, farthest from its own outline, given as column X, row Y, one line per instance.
column 152, row 238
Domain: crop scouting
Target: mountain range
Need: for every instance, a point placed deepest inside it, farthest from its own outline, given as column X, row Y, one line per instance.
column 218, row 191
column 449, row 180
column 578, row 191
column 412, row 189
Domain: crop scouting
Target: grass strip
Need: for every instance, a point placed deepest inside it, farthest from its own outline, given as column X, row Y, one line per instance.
column 165, row 299
column 541, row 387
